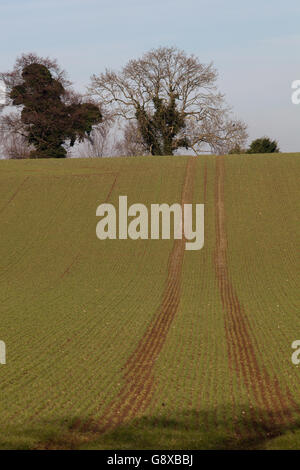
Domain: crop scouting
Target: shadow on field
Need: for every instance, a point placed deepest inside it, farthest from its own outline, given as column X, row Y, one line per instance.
column 188, row 430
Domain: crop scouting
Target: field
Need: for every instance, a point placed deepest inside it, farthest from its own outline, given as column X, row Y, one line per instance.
column 140, row 344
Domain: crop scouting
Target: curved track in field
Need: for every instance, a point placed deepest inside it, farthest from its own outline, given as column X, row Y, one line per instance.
column 263, row 391
column 139, row 382
column 138, row 390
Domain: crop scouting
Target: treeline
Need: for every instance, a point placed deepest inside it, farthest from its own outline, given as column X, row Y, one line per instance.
column 163, row 103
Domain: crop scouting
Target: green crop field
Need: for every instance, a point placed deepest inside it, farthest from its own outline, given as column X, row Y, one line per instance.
column 141, row 344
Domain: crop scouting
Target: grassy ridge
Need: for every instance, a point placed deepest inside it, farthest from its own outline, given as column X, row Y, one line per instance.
column 74, row 308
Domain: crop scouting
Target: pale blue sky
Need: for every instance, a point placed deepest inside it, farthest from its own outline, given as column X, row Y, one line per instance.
column 255, row 46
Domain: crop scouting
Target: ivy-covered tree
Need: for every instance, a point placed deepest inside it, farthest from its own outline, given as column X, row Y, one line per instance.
column 52, row 117
column 160, row 129
column 173, row 99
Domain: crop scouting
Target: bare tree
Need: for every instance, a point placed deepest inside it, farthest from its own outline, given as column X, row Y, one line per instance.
column 98, row 143
column 2, row 95
column 159, row 76
column 219, row 134
column 131, row 143
column 14, row 146
column 13, row 141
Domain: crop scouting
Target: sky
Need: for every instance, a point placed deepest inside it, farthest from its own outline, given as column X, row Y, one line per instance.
column 255, row 46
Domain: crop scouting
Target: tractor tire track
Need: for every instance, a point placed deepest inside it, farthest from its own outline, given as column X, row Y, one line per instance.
column 112, row 188
column 139, row 383
column 14, row 194
column 137, row 392
column 241, row 343
column 67, row 270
